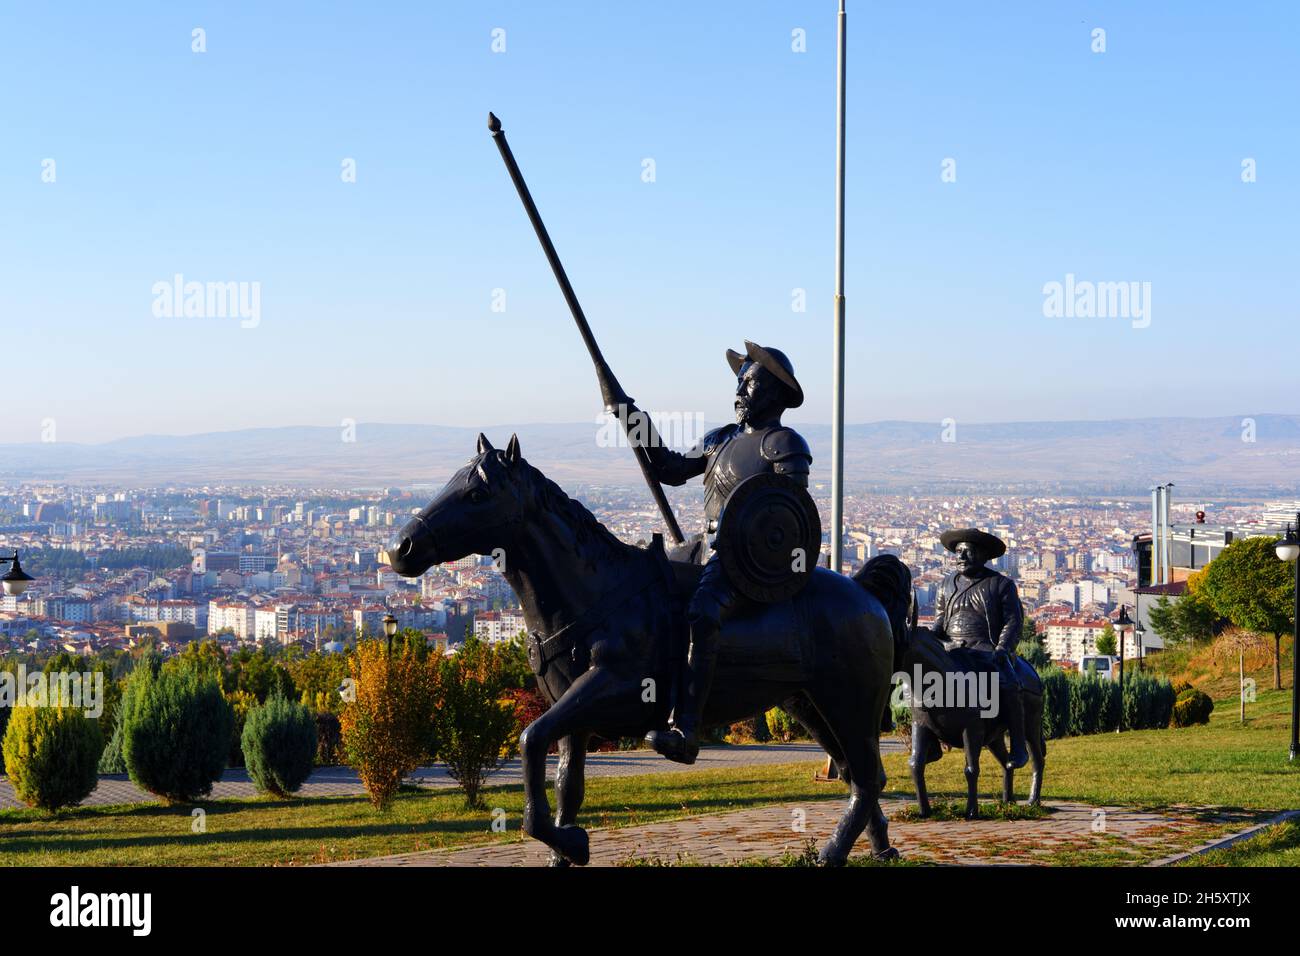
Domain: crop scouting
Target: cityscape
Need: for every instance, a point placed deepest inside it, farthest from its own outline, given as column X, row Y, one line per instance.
column 304, row 568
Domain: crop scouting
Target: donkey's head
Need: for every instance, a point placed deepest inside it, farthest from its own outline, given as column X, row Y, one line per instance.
column 475, row 513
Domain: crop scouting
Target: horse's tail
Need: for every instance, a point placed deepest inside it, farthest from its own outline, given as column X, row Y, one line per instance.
column 889, row 581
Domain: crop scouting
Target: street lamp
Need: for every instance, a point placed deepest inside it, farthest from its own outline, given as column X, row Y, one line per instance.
column 390, row 629
column 1288, row 549
column 1121, row 622
column 1139, row 641
column 15, row 580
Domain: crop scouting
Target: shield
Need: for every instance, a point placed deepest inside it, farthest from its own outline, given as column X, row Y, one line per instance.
column 769, row 537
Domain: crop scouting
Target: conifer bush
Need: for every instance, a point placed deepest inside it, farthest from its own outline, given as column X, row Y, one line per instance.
column 279, row 744
column 51, row 755
column 176, row 732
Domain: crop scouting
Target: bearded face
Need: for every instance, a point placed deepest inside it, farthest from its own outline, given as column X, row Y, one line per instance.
column 758, row 394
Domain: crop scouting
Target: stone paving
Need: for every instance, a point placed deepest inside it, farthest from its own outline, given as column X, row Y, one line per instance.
column 342, row 781
column 1071, row 828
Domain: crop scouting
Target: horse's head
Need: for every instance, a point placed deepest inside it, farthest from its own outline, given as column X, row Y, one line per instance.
column 474, row 514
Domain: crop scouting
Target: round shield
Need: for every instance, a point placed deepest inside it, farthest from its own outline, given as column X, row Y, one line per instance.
column 769, row 537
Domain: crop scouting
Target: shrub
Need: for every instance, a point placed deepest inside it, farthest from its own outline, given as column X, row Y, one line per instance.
column 1192, row 707
column 1148, row 702
column 112, row 761
column 1086, row 695
column 783, row 725
column 387, row 727
column 329, row 739
column 1056, row 703
column 1035, row 654
column 176, row 733
column 52, row 755
column 475, row 718
column 242, row 703
column 529, row 704
column 279, row 744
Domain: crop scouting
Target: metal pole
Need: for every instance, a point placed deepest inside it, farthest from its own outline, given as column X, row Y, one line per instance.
column 1155, row 536
column 837, row 399
column 1295, row 659
column 1169, row 539
column 1120, row 726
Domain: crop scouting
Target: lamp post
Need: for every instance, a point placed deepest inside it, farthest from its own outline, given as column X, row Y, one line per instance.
column 1121, row 622
column 15, row 580
column 1139, row 641
column 1288, row 549
column 390, row 630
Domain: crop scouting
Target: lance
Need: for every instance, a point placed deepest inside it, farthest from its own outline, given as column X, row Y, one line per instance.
column 616, row 400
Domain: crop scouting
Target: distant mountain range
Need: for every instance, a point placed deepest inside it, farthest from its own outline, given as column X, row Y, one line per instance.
column 1203, row 456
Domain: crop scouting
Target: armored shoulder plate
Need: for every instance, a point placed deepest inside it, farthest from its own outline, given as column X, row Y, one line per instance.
column 716, row 437
column 782, row 444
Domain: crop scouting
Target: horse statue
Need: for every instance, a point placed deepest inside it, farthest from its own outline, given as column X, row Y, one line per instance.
column 606, row 628
column 966, row 725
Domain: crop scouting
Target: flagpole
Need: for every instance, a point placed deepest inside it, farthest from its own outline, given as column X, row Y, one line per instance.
column 837, row 396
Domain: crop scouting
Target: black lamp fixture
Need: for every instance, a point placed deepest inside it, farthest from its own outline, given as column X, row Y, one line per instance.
column 15, row 580
column 390, row 629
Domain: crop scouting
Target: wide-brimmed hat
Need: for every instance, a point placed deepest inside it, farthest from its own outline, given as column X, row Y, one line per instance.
column 989, row 544
column 775, row 361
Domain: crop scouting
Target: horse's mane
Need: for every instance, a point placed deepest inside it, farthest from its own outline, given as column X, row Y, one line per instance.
column 585, row 525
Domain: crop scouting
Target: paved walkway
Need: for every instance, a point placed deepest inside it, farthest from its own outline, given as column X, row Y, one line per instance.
column 343, row 781
column 1129, row 836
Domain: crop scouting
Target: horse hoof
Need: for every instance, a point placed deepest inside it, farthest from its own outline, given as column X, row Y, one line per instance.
column 573, row 843
column 558, row 859
column 829, row 857
column 887, row 855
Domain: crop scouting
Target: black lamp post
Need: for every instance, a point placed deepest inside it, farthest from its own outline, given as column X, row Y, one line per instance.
column 390, row 629
column 15, row 580
column 1139, row 641
column 1121, row 622
column 1288, row 549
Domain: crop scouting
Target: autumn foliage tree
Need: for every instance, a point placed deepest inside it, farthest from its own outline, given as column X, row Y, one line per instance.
column 1249, row 586
column 476, row 721
column 386, row 723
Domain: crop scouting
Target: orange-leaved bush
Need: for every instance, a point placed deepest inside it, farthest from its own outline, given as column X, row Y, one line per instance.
column 388, row 720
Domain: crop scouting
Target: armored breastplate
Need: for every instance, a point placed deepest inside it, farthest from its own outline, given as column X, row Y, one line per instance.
column 740, row 457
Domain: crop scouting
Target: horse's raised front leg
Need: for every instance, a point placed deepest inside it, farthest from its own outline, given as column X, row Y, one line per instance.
column 972, row 739
column 921, row 737
column 570, row 785
column 595, row 695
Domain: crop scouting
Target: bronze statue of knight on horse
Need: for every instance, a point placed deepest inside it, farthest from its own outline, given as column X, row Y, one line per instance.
column 759, row 624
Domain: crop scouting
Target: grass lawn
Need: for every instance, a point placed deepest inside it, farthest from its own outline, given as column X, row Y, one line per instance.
column 1277, row 846
column 266, row 831
column 1222, row 764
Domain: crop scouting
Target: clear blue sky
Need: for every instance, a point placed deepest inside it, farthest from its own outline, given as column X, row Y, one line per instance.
column 376, row 296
